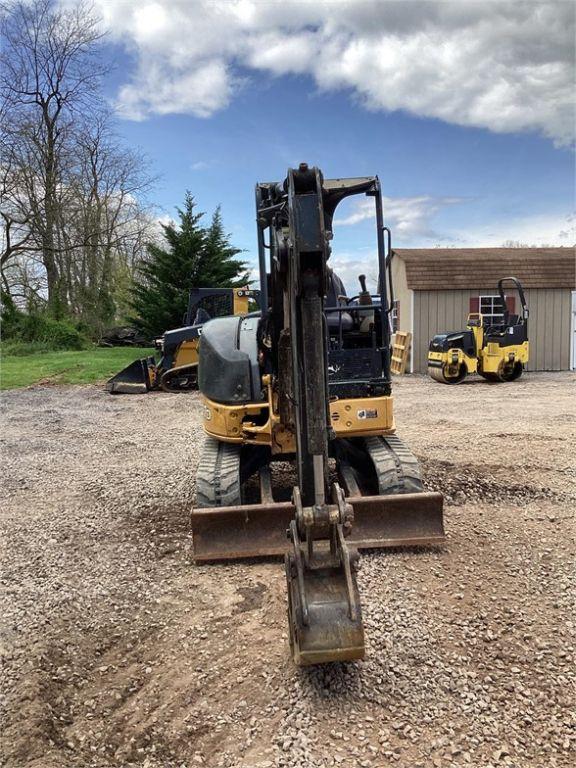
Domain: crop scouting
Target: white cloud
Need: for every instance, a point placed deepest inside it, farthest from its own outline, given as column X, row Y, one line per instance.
column 363, row 210
column 501, row 65
column 348, row 266
column 409, row 218
column 545, row 229
column 199, row 92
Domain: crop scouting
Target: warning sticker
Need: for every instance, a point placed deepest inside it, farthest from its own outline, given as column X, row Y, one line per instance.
column 369, row 413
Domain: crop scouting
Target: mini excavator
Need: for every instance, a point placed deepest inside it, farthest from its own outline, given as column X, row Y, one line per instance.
column 497, row 352
column 177, row 370
column 301, row 457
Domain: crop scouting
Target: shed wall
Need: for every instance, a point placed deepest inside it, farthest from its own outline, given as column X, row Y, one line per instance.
column 548, row 328
column 402, row 294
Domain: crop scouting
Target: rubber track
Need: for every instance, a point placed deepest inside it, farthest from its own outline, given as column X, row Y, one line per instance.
column 175, row 373
column 218, row 475
column 396, row 466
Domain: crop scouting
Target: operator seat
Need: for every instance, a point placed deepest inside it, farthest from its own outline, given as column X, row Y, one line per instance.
column 336, row 289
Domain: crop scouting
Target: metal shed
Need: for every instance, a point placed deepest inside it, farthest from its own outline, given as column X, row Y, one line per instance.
column 436, row 288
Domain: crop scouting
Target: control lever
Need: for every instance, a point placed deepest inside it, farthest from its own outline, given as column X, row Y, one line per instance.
column 365, row 299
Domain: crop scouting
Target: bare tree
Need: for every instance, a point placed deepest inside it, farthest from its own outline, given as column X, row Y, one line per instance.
column 70, row 191
column 107, row 217
column 50, row 74
column 520, row 244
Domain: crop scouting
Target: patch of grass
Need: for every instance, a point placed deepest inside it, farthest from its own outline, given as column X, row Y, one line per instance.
column 84, row 367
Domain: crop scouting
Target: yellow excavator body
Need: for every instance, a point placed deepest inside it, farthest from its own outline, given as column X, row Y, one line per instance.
column 260, row 423
column 301, row 456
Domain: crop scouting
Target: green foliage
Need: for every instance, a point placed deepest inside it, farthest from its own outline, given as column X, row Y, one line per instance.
column 195, row 257
column 92, row 365
column 8, row 313
column 30, row 333
column 16, row 348
column 97, row 310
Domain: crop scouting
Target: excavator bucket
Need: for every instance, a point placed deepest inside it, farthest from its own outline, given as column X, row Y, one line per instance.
column 136, row 379
column 322, row 630
column 259, row 530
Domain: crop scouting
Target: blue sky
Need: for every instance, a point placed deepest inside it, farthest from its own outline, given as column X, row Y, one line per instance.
column 469, row 152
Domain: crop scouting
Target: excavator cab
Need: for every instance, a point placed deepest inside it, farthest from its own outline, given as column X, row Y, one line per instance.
column 301, row 458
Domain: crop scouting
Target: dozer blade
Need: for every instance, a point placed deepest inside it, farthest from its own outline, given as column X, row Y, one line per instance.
column 132, row 380
column 328, row 633
column 259, row 530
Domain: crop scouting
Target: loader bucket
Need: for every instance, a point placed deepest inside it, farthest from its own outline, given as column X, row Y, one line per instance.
column 135, row 379
column 259, row 530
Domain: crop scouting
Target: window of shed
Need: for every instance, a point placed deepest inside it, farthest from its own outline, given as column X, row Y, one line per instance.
column 491, row 309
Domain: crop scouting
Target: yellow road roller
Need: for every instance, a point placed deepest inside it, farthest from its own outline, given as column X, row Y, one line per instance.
column 498, row 352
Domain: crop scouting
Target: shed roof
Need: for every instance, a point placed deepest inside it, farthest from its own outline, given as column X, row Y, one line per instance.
column 434, row 269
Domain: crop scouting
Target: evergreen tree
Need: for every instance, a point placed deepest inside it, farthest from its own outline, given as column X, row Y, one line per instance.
column 194, row 257
column 218, row 267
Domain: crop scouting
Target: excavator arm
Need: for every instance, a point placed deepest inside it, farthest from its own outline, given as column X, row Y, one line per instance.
column 324, row 604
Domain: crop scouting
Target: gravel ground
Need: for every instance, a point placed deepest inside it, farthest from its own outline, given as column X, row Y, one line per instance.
column 117, row 651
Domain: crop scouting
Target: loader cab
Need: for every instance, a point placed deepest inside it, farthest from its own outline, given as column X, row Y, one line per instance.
column 207, row 303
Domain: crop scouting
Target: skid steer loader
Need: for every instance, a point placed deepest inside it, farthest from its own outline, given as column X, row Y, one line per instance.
column 177, row 370
column 497, row 352
column 308, row 383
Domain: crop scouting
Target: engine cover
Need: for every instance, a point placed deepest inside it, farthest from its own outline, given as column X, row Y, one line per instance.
column 228, row 369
